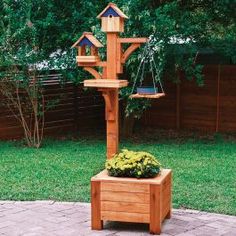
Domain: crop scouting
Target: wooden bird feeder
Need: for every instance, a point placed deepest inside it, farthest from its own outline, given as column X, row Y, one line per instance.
column 87, row 46
column 107, row 81
column 113, row 198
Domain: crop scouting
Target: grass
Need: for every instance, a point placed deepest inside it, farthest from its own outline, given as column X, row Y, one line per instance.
column 204, row 171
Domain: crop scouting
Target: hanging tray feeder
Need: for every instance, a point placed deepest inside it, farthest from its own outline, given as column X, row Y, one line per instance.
column 156, row 89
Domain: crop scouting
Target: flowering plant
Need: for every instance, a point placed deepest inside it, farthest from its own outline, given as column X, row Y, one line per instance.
column 133, row 164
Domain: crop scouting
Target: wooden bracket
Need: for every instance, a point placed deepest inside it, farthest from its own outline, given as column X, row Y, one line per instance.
column 129, row 51
column 110, row 108
column 93, row 72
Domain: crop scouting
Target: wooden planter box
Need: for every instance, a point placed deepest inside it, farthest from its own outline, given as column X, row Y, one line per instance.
column 131, row 200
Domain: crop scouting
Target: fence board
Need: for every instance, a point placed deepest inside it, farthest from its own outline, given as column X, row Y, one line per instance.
column 185, row 106
column 75, row 110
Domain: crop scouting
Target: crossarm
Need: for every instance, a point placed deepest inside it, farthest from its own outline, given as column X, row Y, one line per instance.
column 132, row 40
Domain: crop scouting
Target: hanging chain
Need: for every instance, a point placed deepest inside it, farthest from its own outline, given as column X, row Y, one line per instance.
column 151, row 60
column 158, row 75
column 143, row 61
column 136, row 78
column 142, row 73
column 148, row 57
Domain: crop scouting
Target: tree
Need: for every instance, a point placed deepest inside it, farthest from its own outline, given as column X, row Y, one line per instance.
column 36, row 37
column 42, row 32
column 19, row 82
column 184, row 28
column 25, row 61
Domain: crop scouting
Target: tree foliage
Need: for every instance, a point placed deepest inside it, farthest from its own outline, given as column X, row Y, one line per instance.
column 184, row 28
column 41, row 32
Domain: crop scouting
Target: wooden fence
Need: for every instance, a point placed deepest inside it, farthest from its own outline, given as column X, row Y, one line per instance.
column 208, row 108
column 75, row 111
column 186, row 106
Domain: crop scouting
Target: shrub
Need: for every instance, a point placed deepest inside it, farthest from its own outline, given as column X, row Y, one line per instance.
column 133, row 164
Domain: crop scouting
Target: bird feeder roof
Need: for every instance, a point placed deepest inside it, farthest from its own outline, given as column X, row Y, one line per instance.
column 87, row 39
column 112, row 9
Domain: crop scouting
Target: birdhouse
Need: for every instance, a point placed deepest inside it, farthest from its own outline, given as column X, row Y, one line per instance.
column 112, row 19
column 87, row 46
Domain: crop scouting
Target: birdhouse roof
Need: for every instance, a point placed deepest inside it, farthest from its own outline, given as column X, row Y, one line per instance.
column 87, row 39
column 112, row 7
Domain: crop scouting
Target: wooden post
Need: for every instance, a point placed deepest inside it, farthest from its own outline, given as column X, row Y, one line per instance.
column 168, row 216
column 112, row 122
column 97, row 223
column 112, row 55
column 111, row 73
column 155, row 203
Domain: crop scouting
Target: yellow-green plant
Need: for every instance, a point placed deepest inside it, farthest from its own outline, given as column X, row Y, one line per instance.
column 133, row 164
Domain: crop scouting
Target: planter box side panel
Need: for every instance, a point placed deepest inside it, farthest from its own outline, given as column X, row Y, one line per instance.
column 125, row 217
column 128, row 202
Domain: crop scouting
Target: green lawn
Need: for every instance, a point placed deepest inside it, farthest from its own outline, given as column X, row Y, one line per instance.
column 204, row 172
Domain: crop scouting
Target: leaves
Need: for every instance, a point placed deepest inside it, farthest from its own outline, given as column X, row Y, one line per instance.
column 133, row 164
column 32, row 31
